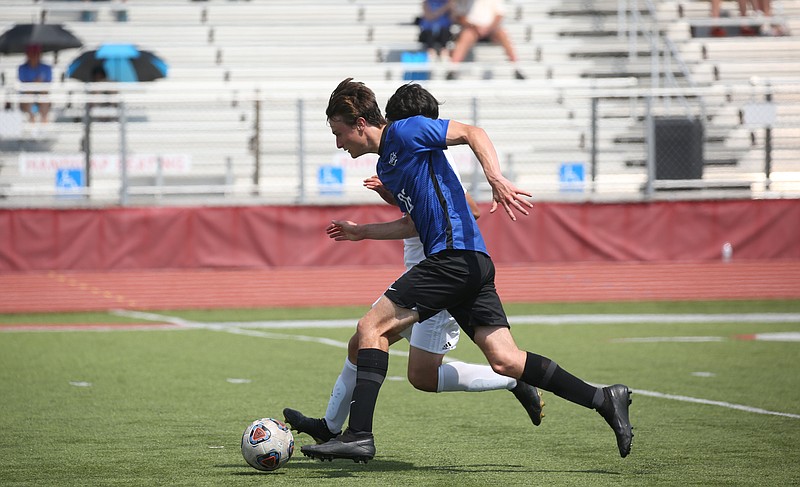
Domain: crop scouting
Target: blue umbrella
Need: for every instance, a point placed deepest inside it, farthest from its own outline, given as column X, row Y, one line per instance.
column 118, row 62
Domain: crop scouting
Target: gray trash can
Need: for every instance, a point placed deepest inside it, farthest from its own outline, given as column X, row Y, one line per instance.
column 679, row 148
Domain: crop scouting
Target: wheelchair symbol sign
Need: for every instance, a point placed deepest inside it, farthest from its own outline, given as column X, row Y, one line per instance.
column 331, row 180
column 69, row 180
column 571, row 176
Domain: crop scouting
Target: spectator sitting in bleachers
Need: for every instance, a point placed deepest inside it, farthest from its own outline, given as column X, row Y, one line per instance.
column 764, row 7
column 434, row 26
column 99, row 76
column 33, row 70
column 481, row 20
column 761, row 8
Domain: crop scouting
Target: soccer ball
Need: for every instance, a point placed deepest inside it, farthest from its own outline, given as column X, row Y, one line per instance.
column 267, row 444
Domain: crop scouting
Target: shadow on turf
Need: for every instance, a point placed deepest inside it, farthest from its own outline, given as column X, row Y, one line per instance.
column 317, row 469
column 343, row 468
column 510, row 468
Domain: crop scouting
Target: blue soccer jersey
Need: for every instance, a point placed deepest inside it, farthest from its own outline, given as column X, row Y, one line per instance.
column 413, row 167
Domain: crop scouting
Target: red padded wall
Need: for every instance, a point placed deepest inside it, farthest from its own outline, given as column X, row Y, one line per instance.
column 279, row 236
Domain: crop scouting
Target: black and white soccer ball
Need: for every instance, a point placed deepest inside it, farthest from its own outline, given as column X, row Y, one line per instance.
column 267, row 444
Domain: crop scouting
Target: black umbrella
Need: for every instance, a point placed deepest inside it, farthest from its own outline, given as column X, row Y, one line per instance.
column 119, row 62
column 51, row 37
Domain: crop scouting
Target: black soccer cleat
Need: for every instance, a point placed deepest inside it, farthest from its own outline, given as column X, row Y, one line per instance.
column 531, row 399
column 615, row 412
column 317, row 428
column 358, row 447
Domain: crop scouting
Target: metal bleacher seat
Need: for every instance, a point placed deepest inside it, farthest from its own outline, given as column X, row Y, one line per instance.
column 222, row 53
column 298, row 12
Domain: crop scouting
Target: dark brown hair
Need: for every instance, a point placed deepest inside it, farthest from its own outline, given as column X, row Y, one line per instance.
column 409, row 100
column 352, row 99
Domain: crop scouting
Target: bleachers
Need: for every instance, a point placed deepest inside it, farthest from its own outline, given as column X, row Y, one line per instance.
column 229, row 53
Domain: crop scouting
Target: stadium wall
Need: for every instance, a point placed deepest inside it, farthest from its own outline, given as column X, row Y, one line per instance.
column 287, row 236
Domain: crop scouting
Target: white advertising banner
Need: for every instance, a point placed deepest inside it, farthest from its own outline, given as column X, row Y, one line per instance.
column 44, row 163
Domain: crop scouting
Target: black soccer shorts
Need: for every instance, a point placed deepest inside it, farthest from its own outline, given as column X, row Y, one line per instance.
column 459, row 281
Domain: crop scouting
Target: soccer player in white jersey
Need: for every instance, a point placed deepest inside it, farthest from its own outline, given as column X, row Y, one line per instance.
column 457, row 274
column 430, row 340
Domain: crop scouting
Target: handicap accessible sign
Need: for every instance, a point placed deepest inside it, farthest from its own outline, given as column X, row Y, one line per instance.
column 69, row 181
column 331, row 180
column 571, row 176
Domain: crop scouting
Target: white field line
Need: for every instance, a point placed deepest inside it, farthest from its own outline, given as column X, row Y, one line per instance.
column 88, row 328
column 236, row 330
column 697, row 339
column 655, row 318
column 772, row 317
column 554, row 320
column 723, row 404
column 789, row 336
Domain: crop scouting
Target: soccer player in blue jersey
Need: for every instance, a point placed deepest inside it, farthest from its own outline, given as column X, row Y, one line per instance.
column 457, row 274
column 429, row 340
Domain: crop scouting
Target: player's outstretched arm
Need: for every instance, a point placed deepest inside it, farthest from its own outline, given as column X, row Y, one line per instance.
column 504, row 192
column 341, row 230
column 375, row 184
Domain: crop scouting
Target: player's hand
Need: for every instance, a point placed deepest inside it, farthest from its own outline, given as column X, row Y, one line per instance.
column 373, row 183
column 340, row 230
column 510, row 197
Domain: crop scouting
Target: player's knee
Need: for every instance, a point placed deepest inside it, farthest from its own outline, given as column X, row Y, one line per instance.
column 506, row 365
column 352, row 348
column 502, row 368
column 365, row 329
column 423, row 380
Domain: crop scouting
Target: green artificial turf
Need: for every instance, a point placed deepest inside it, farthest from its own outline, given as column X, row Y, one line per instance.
column 159, row 407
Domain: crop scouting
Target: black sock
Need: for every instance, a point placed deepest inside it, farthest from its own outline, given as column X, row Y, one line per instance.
column 372, row 364
column 545, row 374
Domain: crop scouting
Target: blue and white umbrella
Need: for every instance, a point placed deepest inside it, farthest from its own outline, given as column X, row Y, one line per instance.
column 118, row 62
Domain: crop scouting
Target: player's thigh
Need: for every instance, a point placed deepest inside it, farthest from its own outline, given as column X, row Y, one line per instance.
column 436, row 284
column 386, row 319
column 485, row 307
column 500, row 350
column 423, row 366
column 437, row 334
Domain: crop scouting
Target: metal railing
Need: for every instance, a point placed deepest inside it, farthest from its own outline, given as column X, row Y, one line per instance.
column 272, row 145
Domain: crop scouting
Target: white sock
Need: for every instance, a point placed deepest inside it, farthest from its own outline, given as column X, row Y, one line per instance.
column 339, row 403
column 460, row 376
